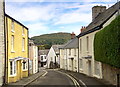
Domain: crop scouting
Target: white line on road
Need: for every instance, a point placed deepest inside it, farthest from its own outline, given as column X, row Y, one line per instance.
column 83, row 83
column 74, row 81
column 44, row 74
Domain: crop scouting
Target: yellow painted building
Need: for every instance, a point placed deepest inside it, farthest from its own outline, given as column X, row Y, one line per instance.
column 16, row 50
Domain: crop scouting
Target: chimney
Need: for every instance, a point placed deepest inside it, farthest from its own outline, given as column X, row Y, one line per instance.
column 82, row 29
column 73, row 35
column 96, row 10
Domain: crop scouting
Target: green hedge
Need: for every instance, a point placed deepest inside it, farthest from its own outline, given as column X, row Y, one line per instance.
column 107, row 44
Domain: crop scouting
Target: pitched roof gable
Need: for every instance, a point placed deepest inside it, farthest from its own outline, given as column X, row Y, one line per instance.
column 99, row 21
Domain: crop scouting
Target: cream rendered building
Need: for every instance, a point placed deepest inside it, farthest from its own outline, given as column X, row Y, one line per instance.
column 33, row 54
column 2, row 43
column 69, row 55
column 87, row 64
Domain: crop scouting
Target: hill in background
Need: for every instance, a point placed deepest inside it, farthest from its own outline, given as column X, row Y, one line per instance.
column 47, row 40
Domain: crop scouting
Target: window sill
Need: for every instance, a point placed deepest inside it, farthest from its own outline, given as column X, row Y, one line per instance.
column 12, row 31
column 12, row 51
column 25, row 70
column 23, row 34
column 23, row 50
column 13, row 75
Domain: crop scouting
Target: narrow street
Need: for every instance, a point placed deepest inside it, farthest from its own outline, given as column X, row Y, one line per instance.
column 55, row 78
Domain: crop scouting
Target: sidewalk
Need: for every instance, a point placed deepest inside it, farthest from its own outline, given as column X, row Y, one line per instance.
column 87, row 81
column 25, row 81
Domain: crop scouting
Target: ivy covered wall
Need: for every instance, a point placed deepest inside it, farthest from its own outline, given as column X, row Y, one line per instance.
column 107, row 44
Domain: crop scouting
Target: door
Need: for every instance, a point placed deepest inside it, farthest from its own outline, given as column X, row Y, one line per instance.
column 89, row 68
column 19, row 69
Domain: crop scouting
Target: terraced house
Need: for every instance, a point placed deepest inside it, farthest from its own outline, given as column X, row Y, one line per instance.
column 89, row 64
column 16, row 50
column 69, row 54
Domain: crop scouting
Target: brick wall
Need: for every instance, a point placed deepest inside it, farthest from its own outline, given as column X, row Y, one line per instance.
column 1, row 42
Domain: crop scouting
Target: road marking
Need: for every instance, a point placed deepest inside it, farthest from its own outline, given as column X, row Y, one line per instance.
column 74, row 81
column 83, row 83
column 44, row 74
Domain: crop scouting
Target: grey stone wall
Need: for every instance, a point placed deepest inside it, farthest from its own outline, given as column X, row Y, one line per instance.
column 2, row 52
column 110, row 73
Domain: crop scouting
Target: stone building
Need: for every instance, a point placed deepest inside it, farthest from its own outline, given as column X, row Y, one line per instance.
column 2, row 43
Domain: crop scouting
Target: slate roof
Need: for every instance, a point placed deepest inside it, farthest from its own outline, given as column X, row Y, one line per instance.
column 56, row 48
column 43, row 52
column 73, row 43
column 99, row 21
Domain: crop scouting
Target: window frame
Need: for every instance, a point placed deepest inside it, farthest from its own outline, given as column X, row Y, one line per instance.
column 12, row 43
column 13, row 69
column 25, row 68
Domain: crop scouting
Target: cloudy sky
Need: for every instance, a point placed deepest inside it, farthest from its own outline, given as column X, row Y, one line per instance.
column 52, row 16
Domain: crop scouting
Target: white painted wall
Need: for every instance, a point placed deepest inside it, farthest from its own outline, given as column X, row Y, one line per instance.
column 35, row 59
column 51, row 57
column 2, row 52
column 96, row 68
column 66, row 61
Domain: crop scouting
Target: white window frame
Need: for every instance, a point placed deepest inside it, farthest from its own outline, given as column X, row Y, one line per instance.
column 12, row 26
column 23, row 44
column 14, row 70
column 23, row 31
column 75, row 52
column 26, row 65
column 80, row 45
column 12, row 43
column 81, row 64
column 87, row 43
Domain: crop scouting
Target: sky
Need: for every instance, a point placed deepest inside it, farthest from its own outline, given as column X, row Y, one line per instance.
column 52, row 16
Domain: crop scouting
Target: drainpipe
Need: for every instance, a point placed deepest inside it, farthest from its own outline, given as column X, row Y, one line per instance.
column 6, row 55
column 28, row 51
column 78, row 54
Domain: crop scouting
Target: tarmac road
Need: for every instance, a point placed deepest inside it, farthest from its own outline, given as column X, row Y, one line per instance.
column 54, row 78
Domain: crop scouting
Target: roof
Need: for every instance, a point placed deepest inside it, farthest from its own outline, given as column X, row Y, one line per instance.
column 100, row 20
column 16, row 21
column 56, row 48
column 43, row 52
column 72, row 43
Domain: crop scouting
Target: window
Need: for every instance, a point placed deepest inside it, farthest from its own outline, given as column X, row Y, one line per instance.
column 81, row 64
column 41, row 57
column 12, row 26
column 80, row 45
column 23, row 44
column 69, row 51
column 23, row 31
column 12, row 43
column 87, row 38
column 25, row 65
column 12, row 67
column 75, row 52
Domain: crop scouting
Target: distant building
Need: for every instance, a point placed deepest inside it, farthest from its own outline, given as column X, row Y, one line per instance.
column 2, row 44
column 33, row 55
column 53, row 60
column 42, row 59
column 16, row 50
column 69, row 55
